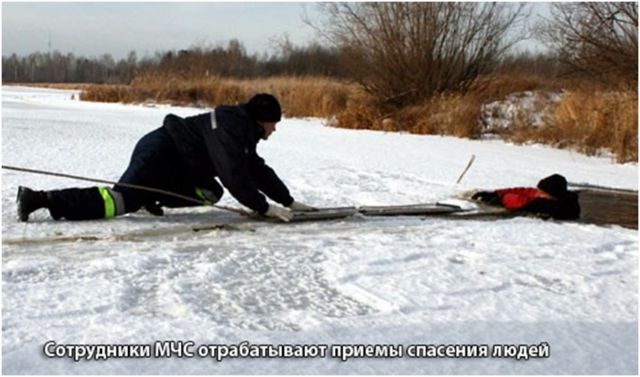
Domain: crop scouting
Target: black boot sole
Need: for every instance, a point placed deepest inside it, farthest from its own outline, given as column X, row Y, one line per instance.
column 28, row 201
column 23, row 215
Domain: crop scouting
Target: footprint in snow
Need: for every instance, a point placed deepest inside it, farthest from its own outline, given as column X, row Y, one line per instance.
column 551, row 284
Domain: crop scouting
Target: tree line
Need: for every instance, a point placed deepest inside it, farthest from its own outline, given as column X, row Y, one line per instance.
column 231, row 60
column 400, row 53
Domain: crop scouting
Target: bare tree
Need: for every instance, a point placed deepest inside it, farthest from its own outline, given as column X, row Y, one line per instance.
column 404, row 52
column 313, row 59
column 599, row 38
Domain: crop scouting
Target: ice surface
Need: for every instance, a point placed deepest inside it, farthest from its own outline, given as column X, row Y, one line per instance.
column 380, row 281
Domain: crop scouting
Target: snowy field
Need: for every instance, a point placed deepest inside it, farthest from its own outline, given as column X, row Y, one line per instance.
column 399, row 281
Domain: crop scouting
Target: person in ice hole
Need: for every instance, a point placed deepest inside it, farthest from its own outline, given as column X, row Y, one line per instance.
column 549, row 199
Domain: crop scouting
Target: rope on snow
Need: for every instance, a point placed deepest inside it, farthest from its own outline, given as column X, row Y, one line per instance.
column 128, row 185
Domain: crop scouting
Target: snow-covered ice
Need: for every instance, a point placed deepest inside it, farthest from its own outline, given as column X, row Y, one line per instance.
column 381, row 281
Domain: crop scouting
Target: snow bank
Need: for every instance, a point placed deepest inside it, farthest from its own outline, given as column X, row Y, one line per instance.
column 397, row 281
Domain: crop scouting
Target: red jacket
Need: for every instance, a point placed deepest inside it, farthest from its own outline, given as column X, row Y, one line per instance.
column 518, row 197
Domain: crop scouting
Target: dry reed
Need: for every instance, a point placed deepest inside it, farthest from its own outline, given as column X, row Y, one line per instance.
column 592, row 121
column 587, row 119
column 300, row 96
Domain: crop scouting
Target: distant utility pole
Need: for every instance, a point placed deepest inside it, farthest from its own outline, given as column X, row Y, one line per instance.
column 49, row 43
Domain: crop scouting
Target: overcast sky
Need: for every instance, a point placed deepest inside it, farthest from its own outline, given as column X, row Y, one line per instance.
column 117, row 28
column 92, row 29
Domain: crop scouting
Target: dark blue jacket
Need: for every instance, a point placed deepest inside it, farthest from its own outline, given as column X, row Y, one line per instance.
column 225, row 146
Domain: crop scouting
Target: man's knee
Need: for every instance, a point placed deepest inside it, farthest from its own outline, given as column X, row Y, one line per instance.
column 209, row 195
column 131, row 200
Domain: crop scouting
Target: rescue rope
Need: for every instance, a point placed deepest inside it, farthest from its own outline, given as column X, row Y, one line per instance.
column 129, row 185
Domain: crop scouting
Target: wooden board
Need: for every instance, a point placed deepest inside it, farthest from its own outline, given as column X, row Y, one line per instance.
column 324, row 214
column 401, row 210
column 409, row 210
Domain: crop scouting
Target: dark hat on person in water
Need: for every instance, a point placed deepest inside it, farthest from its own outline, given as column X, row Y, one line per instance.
column 555, row 185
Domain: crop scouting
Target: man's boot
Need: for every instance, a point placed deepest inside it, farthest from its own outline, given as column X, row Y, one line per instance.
column 29, row 201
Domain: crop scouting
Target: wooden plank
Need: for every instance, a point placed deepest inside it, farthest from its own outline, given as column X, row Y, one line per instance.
column 409, row 210
column 401, row 210
column 324, row 214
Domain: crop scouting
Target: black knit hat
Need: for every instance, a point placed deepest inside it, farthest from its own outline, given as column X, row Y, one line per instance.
column 555, row 185
column 264, row 107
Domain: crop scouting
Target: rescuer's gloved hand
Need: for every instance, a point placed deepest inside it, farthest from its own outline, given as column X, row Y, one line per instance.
column 297, row 206
column 279, row 213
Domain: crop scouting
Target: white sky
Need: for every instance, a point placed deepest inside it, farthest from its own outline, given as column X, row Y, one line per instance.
column 92, row 29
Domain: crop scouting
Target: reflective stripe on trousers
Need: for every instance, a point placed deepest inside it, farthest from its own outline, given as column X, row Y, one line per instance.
column 113, row 202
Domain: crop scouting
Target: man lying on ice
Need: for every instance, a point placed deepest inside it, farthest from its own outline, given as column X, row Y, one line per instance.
column 184, row 156
column 550, row 199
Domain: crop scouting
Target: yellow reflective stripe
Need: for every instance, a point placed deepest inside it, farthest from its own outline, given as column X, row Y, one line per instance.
column 109, row 205
column 202, row 196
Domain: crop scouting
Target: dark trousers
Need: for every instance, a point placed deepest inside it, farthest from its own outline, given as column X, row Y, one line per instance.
column 155, row 163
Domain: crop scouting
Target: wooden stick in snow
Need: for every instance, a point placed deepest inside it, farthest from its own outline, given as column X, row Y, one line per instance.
column 473, row 158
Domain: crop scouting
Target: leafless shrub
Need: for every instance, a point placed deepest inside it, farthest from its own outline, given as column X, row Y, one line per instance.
column 596, row 38
column 405, row 52
column 543, row 65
